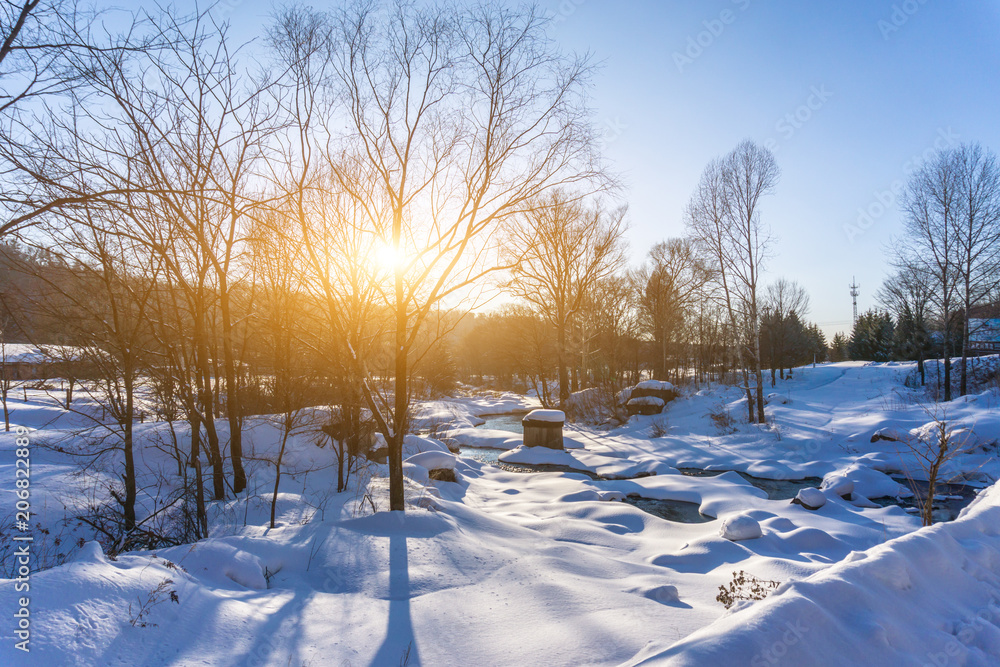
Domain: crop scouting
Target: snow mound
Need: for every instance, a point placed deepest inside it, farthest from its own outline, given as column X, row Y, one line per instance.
column 740, row 527
column 433, row 460
column 838, row 484
column 655, row 385
column 417, row 473
column 538, row 456
column 552, row 416
column 416, row 444
column 488, row 438
column 811, row 499
column 777, row 398
column 213, row 559
column 926, row 598
column 91, row 552
column 869, row 482
column 664, row 594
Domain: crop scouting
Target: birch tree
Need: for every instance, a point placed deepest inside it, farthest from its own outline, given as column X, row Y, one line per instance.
column 977, row 235
column 724, row 218
column 931, row 204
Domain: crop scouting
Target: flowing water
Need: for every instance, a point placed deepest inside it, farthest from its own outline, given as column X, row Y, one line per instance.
column 945, row 509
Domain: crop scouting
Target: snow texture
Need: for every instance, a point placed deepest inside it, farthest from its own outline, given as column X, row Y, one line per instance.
column 554, row 559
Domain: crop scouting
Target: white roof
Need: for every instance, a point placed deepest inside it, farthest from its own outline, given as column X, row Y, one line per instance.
column 25, row 353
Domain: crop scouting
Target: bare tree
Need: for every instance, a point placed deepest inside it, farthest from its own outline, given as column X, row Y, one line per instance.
column 724, row 218
column 560, row 250
column 177, row 136
column 459, row 118
column 932, row 204
column 977, row 234
column 932, row 449
column 43, row 42
column 907, row 295
column 751, row 173
column 673, row 278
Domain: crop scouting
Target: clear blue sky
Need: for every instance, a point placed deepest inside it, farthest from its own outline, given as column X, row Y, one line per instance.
column 894, row 75
column 885, row 78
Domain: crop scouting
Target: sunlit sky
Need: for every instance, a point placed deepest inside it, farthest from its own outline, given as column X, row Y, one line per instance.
column 847, row 92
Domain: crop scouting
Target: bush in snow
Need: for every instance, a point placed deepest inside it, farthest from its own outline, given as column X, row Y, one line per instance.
column 934, row 445
column 745, row 587
column 658, row 427
column 722, row 419
column 595, row 405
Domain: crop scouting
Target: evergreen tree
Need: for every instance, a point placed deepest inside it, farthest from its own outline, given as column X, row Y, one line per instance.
column 838, row 348
column 873, row 337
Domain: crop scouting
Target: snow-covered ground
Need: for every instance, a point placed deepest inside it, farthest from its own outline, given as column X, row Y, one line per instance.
column 548, row 568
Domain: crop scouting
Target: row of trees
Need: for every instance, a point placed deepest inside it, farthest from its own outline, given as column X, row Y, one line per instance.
column 697, row 308
column 948, row 262
column 231, row 224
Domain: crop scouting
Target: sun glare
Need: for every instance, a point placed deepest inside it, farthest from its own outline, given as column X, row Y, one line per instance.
column 388, row 257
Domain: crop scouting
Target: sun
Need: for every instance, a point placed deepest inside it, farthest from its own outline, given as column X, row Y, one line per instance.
column 389, row 257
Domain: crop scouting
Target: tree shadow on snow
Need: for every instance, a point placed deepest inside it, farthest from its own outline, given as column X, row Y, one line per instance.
column 399, row 646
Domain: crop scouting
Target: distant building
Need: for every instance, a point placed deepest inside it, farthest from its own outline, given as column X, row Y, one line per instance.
column 984, row 329
column 21, row 361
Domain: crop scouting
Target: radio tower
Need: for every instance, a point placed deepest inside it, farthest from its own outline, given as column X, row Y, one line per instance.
column 854, row 294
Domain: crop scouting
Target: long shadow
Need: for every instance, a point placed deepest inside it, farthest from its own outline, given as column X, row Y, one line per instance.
column 399, row 638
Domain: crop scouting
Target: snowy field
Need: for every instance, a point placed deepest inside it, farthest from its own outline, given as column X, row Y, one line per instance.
column 505, row 567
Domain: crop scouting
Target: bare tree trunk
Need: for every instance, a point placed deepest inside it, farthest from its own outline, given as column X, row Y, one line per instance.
column 397, row 498
column 130, row 490
column 561, row 363
column 196, row 463
column 233, row 403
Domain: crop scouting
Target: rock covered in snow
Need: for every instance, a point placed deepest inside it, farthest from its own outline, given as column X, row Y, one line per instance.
column 740, row 527
column 890, row 434
column 838, row 484
column 871, row 483
column 655, row 385
column 415, row 444
column 647, row 400
column 811, row 499
column 664, row 594
column 417, row 473
column 432, row 460
column 777, row 398
column 544, row 428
